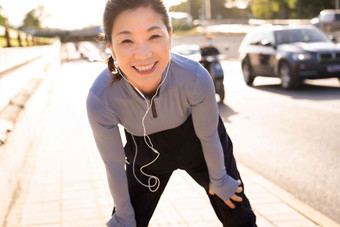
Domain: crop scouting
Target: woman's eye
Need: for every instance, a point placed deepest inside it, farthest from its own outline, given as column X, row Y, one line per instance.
column 126, row 41
column 154, row 37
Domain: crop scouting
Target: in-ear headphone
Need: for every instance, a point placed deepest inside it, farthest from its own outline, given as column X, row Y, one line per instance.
column 114, row 60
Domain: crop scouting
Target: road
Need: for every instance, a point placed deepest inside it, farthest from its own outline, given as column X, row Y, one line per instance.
column 289, row 137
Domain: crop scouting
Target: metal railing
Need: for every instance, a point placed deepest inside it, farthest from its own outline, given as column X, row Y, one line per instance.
column 19, row 39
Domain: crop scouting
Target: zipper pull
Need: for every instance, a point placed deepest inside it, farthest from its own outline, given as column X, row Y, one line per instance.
column 153, row 109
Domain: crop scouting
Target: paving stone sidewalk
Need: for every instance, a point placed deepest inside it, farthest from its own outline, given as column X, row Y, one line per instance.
column 64, row 181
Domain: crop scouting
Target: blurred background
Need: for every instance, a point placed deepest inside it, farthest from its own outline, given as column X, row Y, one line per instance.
column 280, row 102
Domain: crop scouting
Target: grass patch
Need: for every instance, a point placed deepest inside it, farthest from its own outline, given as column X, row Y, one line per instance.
column 3, row 42
column 24, row 43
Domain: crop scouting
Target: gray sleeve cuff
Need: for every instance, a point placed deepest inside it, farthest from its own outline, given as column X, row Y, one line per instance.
column 117, row 221
column 224, row 187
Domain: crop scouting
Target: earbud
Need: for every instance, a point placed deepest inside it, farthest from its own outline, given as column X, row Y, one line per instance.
column 115, row 60
column 111, row 53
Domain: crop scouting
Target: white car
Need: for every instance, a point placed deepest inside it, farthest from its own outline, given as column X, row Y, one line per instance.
column 191, row 51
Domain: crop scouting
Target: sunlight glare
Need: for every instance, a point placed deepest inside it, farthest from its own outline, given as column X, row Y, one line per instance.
column 64, row 14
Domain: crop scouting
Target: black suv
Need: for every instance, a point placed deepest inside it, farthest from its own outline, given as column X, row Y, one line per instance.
column 293, row 53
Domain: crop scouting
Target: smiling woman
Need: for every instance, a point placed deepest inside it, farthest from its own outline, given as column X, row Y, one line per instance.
column 167, row 106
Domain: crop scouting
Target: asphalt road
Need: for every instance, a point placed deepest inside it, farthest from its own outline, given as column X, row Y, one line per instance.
column 289, row 137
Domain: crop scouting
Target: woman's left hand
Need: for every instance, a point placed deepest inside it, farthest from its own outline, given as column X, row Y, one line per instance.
column 234, row 197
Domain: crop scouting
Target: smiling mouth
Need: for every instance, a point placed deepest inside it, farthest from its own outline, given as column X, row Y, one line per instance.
column 145, row 68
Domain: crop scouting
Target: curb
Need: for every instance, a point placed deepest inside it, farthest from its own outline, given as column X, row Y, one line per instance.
column 288, row 199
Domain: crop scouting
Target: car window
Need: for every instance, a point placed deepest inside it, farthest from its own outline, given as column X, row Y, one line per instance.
column 326, row 17
column 300, row 35
column 255, row 38
column 337, row 17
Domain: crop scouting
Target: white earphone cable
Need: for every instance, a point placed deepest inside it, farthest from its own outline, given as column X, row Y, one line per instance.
column 147, row 139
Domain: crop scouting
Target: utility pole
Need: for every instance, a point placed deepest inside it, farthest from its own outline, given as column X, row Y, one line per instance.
column 188, row 7
column 207, row 9
column 336, row 4
column 203, row 10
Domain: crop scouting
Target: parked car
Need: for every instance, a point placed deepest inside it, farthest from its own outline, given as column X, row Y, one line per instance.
column 191, row 51
column 292, row 53
column 328, row 20
column 88, row 50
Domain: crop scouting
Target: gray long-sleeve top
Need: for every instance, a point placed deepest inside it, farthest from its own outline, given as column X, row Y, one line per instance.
column 187, row 89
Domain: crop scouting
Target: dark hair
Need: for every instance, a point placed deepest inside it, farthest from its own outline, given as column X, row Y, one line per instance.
column 114, row 7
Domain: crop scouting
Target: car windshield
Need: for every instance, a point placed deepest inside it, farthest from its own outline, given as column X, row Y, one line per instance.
column 337, row 17
column 300, row 35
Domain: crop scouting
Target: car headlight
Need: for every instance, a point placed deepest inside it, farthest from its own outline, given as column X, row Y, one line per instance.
column 302, row 56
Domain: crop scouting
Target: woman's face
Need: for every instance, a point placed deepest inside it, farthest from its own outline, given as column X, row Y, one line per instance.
column 141, row 45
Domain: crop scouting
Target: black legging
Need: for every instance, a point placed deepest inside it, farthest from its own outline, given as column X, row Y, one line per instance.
column 181, row 149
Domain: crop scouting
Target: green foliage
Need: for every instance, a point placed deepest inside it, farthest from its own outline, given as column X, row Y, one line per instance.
column 33, row 18
column 14, row 42
column 3, row 42
column 289, row 9
column 271, row 9
column 3, row 18
column 261, row 9
column 24, row 43
column 313, row 7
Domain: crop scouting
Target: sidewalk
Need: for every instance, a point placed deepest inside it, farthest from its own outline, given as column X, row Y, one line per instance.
column 64, row 181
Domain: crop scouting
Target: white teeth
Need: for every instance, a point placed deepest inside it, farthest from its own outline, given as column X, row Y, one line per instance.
column 144, row 68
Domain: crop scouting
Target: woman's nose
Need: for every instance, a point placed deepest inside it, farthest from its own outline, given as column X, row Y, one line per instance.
column 143, row 51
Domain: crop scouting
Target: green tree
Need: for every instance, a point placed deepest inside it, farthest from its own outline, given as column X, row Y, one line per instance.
column 313, row 7
column 289, row 9
column 261, row 9
column 271, row 9
column 3, row 18
column 33, row 18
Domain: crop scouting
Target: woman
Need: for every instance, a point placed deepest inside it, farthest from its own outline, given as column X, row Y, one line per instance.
column 167, row 106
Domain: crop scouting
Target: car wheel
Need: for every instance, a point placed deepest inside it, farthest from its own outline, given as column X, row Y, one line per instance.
column 288, row 79
column 247, row 73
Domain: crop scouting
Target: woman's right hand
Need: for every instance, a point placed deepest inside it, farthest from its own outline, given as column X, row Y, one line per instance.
column 234, row 197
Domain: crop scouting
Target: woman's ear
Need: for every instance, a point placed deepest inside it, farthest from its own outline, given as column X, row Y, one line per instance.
column 111, row 50
column 112, row 53
column 170, row 33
